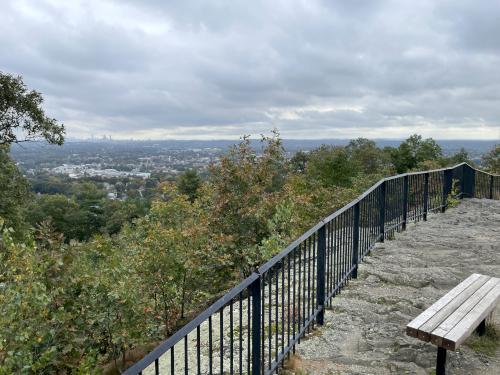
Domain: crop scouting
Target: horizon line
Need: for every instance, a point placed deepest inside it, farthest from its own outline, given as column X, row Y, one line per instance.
column 101, row 139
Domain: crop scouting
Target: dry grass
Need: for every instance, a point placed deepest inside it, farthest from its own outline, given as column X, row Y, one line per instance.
column 293, row 366
column 487, row 344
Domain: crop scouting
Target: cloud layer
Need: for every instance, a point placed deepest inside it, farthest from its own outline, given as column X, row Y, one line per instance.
column 219, row 69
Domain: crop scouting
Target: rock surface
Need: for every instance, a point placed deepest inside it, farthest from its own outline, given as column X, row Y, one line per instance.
column 364, row 330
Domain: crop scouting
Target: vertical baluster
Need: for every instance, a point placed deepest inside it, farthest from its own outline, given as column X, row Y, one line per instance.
column 337, row 254
column 250, row 327
column 240, row 331
column 472, row 182
column 304, row 286
column 198, row 350
column 294, row 293
column 382, row 211
column 288, row 301
column 255, row 291
column 341, row 250
column 426, row 195
column 329, row 239
column 312, row 299
column 172, row 361
column 447, row 185
column 355, row 241
column 283, row 304
column 221, row 339
column 490, row 195
column 341, row 254
column 276, row 321
column 186, row 370
column 344, row 247
column 210, row 354
column 308, row 308
column 327, row 262
column 320, row 286
column 263, row 338
column 299, row 312
column 351, row 242
column 365, row 226
column 231, row 339
column 369, row 223
column 331, row 250
column 405, row 201
column 269, row 311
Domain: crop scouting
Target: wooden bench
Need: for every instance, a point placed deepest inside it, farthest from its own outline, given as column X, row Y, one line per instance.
column 451, row 320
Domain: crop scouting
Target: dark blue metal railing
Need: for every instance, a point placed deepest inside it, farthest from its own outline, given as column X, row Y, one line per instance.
column 257, row 324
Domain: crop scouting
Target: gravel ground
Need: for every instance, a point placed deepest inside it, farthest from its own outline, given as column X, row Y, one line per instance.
column 364, row 331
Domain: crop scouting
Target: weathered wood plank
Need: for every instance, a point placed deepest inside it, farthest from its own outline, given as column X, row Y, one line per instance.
column 425, row 330
column 415, row 324
column 464, row 328
column 468, row 305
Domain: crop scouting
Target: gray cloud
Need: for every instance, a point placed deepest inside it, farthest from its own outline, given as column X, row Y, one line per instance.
column 223, row 68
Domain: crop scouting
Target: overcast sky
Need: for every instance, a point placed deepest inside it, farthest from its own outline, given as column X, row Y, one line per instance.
column 220, row 69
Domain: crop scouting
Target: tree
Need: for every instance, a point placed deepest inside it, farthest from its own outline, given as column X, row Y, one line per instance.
column 188, row 184
column 116, row 213
column 365, row 153
column 170, row 253
column 414, row 151
column 13, row 193
column 330, row 165
column 245, row 189
column 491, row 160
column 60, row 210
column 21, row 113
column 462, row 156
column 298, row 162
column 90, row 216
column 21, row 119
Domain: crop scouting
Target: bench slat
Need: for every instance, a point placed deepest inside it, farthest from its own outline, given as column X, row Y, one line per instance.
column 458, row 334
column 461, row 311
column 424, row 332
column 413, row 327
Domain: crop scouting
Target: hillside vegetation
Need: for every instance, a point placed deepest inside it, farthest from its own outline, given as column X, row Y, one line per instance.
column 81, row 304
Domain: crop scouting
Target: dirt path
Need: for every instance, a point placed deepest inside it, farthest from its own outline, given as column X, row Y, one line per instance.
column 364, row 331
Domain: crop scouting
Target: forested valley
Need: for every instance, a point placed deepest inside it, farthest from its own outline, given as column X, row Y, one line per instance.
column 88, row 285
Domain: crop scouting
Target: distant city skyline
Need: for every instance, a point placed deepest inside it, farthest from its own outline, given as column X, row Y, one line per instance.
column 220, row 69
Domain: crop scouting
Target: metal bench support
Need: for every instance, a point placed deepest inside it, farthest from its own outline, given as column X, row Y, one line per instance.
column 481, row 328
column 441, row 361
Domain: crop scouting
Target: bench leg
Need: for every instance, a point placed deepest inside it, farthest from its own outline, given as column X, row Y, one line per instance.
column 441, row 361
column 481, row 328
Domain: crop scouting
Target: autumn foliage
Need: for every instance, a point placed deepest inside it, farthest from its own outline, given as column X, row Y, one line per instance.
column 89, row 307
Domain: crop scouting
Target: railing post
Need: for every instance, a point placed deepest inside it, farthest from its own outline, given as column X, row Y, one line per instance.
column 447, row 185
column 255, row 291
column 491, row 187
column 462, row 181
column 382, row 211
column 426, row 195
column 320, row 280
column 472, row 182
column 468, row 181
column 355, row 241
column 405, row 201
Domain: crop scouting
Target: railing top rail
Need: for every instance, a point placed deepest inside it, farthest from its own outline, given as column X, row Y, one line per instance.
column 459, row 165
column 380, row 182
column 226, row 298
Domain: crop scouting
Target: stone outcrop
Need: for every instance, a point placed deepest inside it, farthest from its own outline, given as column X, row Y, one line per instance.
column 364, row 330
